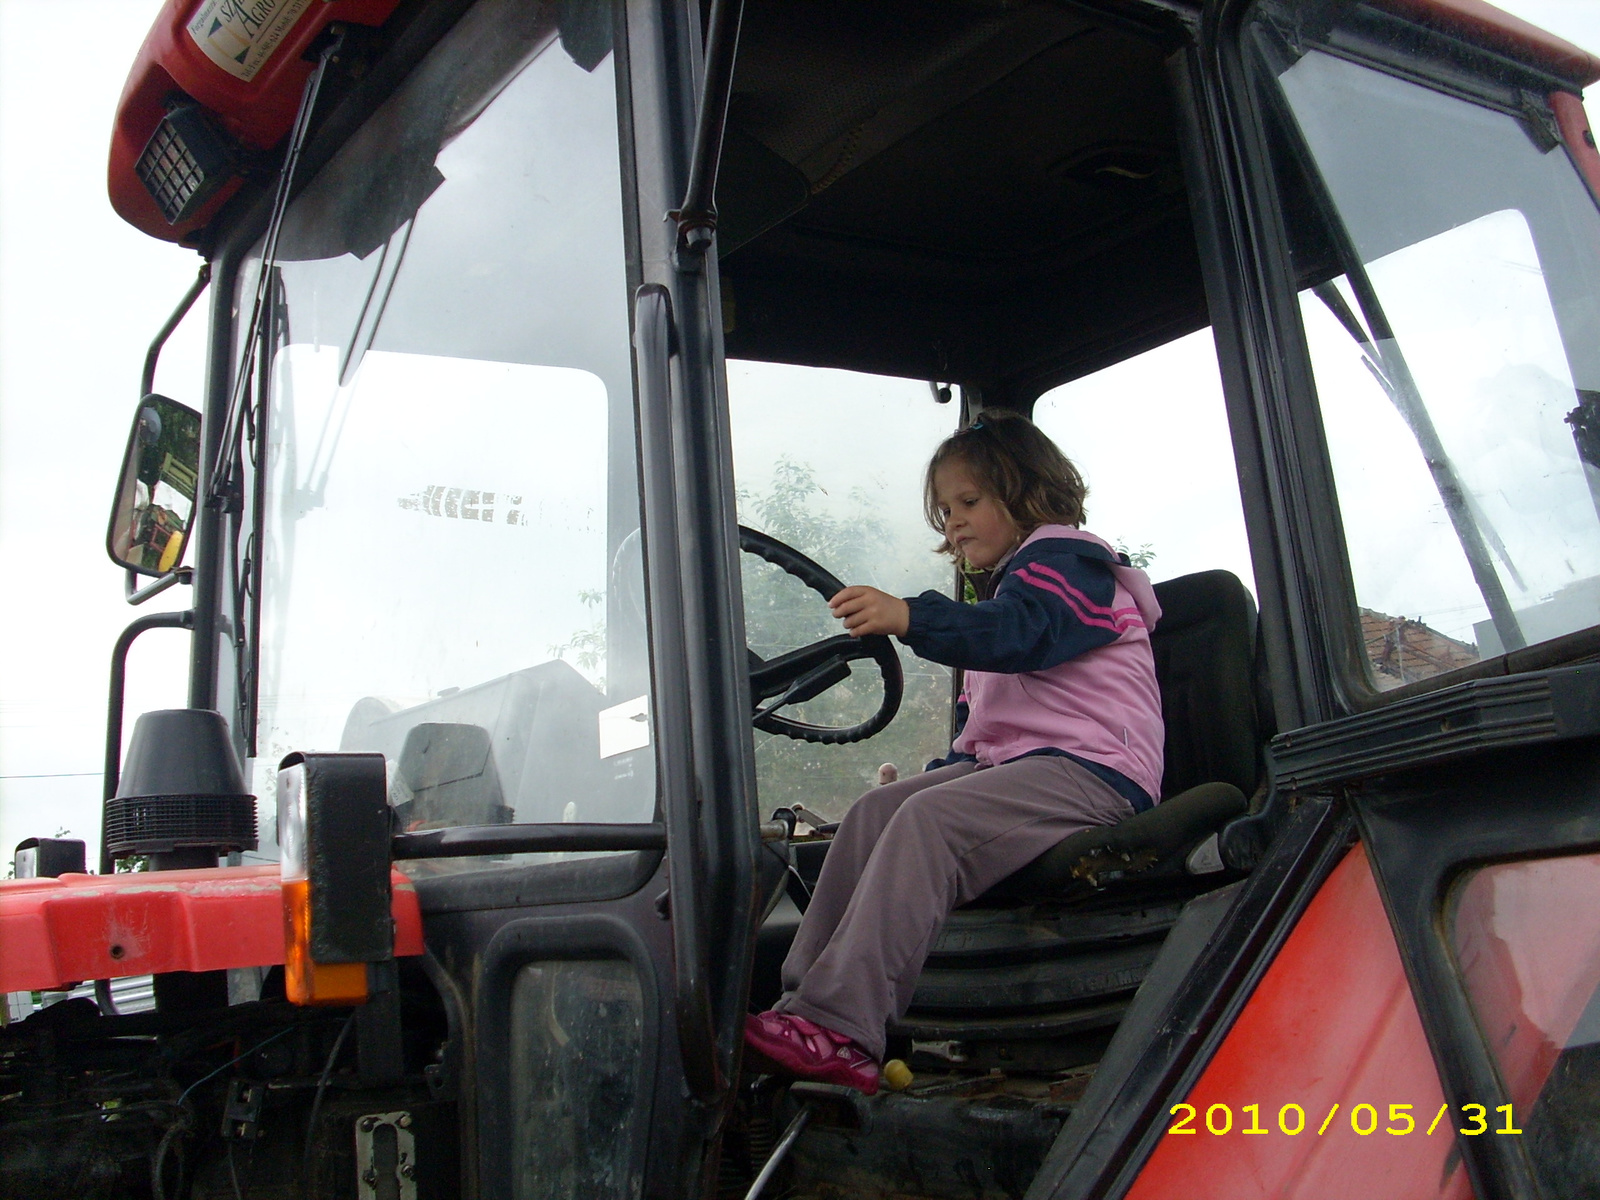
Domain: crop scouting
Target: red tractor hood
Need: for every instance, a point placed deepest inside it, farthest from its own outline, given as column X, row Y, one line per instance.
column 55, row 933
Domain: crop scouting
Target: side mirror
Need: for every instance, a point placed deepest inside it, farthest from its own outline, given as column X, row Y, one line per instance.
column 154, row 505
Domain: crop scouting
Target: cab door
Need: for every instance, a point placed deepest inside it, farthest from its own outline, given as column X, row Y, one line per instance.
column 1408, row 240
column 484, row 532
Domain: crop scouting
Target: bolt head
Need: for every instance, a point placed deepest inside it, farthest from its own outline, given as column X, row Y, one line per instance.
column 368, row 1124
column 405, row 1121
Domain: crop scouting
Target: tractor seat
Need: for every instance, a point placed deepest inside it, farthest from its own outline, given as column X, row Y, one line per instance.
column 445, row 776
column 1207, row 666
column 1151, row 845
column 1042, row 965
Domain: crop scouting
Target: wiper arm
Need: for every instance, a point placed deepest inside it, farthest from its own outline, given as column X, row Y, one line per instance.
column 1375, row 360
column 217, row 485
column 696, row 217
column 1387, row 363
column 1390, row 368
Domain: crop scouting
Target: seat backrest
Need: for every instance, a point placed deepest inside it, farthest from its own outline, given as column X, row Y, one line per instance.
column 1206, row 664
column 449, row 770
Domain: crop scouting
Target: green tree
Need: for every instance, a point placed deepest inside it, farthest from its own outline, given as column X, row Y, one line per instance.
column 587, row 646
column 1141, row 558
column 782, row 614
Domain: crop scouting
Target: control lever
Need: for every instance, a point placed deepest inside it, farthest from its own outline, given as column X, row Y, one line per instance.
column 808, row 687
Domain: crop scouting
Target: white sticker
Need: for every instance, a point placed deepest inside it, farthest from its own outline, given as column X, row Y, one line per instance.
column 625, row 727
column 240, row 35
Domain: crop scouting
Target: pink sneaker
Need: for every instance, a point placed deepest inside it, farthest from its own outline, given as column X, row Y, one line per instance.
column 805, row 1049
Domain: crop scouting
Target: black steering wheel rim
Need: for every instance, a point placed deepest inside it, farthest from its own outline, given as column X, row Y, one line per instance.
column 821, row 659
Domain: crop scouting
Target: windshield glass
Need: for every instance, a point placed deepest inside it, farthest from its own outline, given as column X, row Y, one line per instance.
column 1173, row 507
column 1449, row 256
column 450, row 569
column 831, row 462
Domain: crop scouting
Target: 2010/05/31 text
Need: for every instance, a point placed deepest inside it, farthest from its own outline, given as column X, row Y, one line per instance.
column 1364, row 1120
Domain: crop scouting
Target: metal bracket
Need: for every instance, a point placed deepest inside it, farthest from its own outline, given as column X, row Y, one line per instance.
column 949, row 1050
column 241, row 1113
column 696, row 217
column 1539, row 121
column 134, row 594
column 386, row 1166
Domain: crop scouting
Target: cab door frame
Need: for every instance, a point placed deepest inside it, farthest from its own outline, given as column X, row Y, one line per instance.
column 696, row 593
column 685, row 921
column 1303, row 578
column 1428, row 815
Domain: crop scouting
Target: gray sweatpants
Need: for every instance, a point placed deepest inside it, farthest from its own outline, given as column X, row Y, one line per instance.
column 904, row 856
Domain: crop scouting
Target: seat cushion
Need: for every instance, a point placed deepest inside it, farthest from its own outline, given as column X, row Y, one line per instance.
column 1151, row 843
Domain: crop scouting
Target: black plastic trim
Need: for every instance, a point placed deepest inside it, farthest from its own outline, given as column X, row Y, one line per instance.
column 653, row 344
column 489, row 888
column 513, row 946
column 1244, row 256
column 347, row 816
column 688, row 488
column 1470, row 717
column 1439, row 59
column 464, row 841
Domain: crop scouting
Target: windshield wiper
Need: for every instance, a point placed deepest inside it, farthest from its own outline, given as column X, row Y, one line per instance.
column 1384, row 358
column 217, row 487
column 1391, row 373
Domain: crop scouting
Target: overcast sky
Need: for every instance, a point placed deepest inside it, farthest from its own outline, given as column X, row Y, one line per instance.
column 81, row 294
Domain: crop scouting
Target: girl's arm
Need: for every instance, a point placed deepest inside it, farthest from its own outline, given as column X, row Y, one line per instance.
column 1054, row 603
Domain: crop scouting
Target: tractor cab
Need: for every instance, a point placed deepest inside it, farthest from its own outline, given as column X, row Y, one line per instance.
column 565, row 359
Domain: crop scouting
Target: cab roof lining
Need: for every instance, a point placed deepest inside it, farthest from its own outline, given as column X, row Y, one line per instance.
column 980, row 192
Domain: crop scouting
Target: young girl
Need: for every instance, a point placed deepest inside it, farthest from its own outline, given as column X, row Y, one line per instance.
column 1061, row 730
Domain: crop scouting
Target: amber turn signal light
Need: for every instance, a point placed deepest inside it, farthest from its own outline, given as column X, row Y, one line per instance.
column 333, row 832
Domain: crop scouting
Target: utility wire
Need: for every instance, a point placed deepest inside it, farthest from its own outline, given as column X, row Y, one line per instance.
column 58, row 775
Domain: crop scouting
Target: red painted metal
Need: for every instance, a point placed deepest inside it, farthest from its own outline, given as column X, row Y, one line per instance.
column 1332, row 1022
column 1495, row 29
column 257, row 111
column 1573, row 122
column 58, row 932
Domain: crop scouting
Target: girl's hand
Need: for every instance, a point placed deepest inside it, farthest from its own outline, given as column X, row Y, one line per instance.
column 866, row 610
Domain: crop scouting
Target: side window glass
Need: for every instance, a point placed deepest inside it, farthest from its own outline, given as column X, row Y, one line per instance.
column 450, row 563
column 1150, row 435
column 832, row 463
column 1527, row 943
column 1448, row 255
column 1464, row 481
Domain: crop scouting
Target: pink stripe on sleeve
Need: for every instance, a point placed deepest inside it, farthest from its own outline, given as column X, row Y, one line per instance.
column 1051, row 573
column 1045, row 585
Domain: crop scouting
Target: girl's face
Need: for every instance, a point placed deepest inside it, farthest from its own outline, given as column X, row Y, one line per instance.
column 975, row 523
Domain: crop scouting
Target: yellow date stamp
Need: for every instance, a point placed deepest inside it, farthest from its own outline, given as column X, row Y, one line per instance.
column 1364, row 1120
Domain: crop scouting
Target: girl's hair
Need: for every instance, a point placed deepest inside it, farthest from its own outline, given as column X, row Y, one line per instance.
column 1014, row 462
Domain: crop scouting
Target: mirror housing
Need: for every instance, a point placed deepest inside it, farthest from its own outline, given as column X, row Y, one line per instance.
column 154, row 506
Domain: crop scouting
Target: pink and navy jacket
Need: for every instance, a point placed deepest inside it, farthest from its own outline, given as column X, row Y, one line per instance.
column 1057, row 661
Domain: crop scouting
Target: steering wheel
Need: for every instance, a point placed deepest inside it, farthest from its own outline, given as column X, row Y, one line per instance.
column 806, row 673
